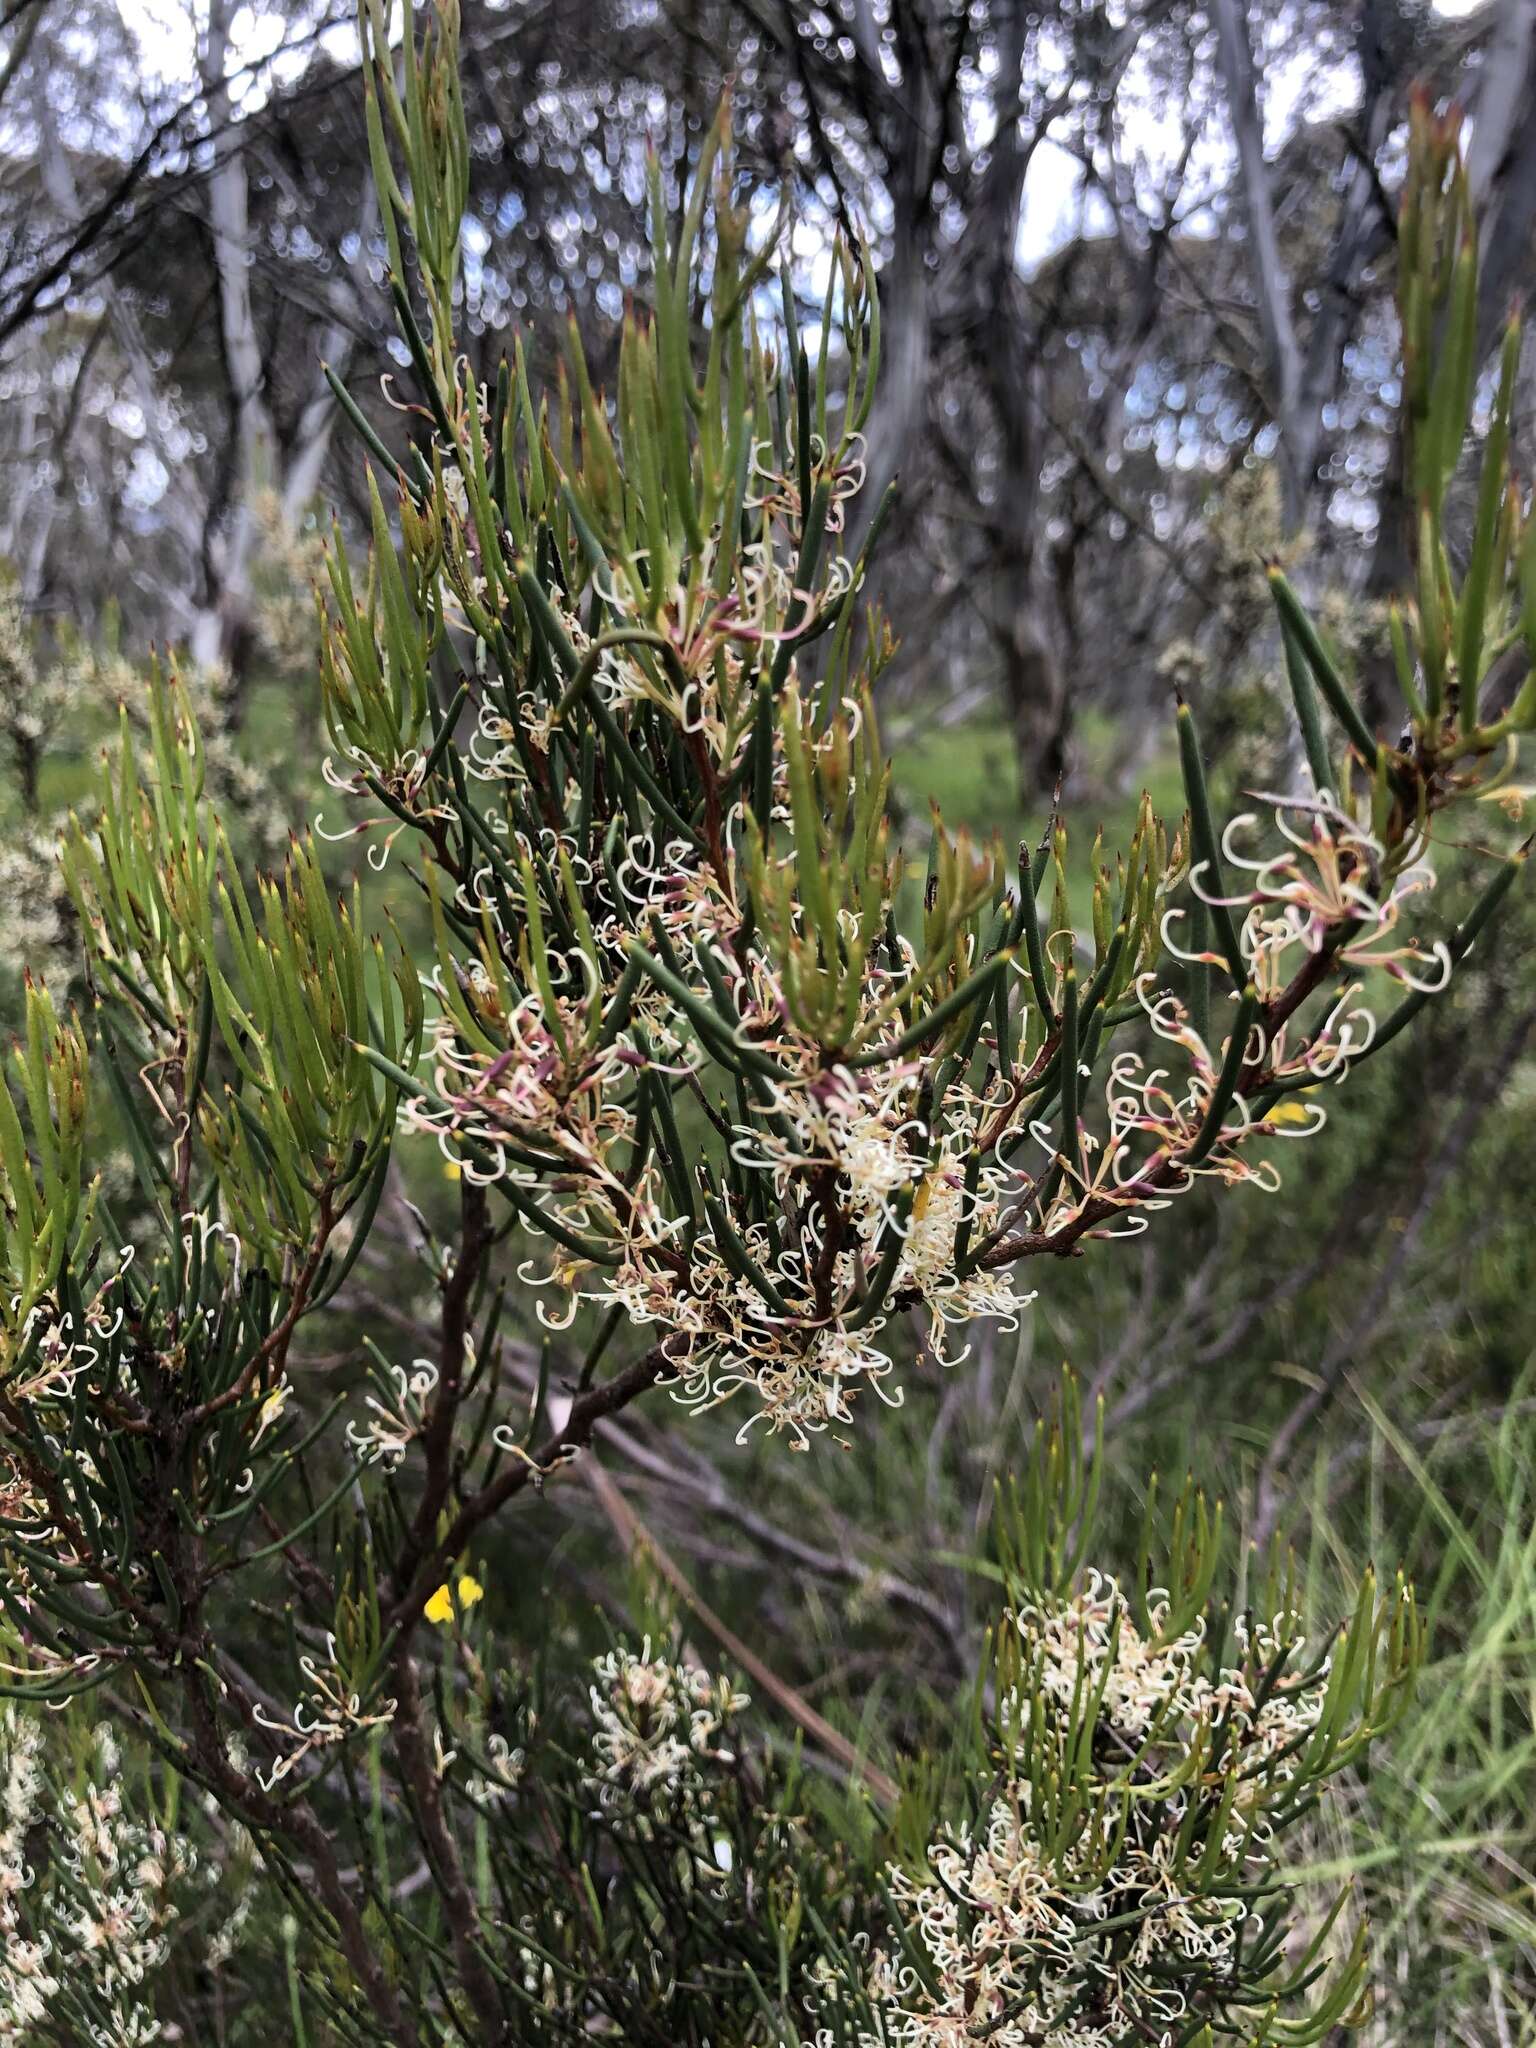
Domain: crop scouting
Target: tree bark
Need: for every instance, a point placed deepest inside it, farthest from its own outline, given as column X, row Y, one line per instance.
column 1501, row 165
column 1271, row 284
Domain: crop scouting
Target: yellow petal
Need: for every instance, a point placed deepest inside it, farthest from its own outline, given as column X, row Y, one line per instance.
column 1288, row 1113
column 440, row 1607
column 470, row 1590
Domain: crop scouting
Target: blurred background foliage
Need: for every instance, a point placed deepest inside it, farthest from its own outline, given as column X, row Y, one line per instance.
column 1136, row 278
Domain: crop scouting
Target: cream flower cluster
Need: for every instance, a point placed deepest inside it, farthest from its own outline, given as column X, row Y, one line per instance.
column 329, row 1711
column 1331, row 887
column 41, row 1360
column 397, row 1411
column 842, row 1153
column 85, row 1923
column 50, row 1353
column 533, row 1102
column 27, row 1981
column 1021, row 1938
column 1331, row 875
column 660, row 1745
column 657, row 1726
column 1088, row 1648
column 538, row 1091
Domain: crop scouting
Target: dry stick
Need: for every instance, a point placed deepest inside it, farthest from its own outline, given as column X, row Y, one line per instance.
column 701, row 1483
column 634, row 1535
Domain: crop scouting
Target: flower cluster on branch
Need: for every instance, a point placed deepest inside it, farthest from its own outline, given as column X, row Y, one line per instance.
column 1143, row 1761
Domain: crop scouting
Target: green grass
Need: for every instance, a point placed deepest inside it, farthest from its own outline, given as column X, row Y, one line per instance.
column 1441, row 1838
column 970, row 771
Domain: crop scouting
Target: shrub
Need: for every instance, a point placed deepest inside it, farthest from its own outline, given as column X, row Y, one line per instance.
column 1140, row 1762
column 692, row 1035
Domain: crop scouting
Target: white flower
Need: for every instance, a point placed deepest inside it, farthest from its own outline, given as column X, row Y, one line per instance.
column 1005, row 1919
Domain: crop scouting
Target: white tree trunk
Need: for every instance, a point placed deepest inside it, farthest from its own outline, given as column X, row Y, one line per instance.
column 259, row 464
column 1501, row 164
column 217, row 618
column 1271, row 285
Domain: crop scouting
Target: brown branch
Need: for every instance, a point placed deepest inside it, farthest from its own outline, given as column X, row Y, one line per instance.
column 266, row 1815
column 409, row 1740
column 574, row 1435
column 437, row 1437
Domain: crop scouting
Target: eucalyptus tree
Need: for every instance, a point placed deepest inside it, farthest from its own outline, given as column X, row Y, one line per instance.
column 1221, row 292
column 188, row 243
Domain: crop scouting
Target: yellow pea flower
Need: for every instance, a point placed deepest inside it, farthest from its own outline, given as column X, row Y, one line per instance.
column 440, row 1608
